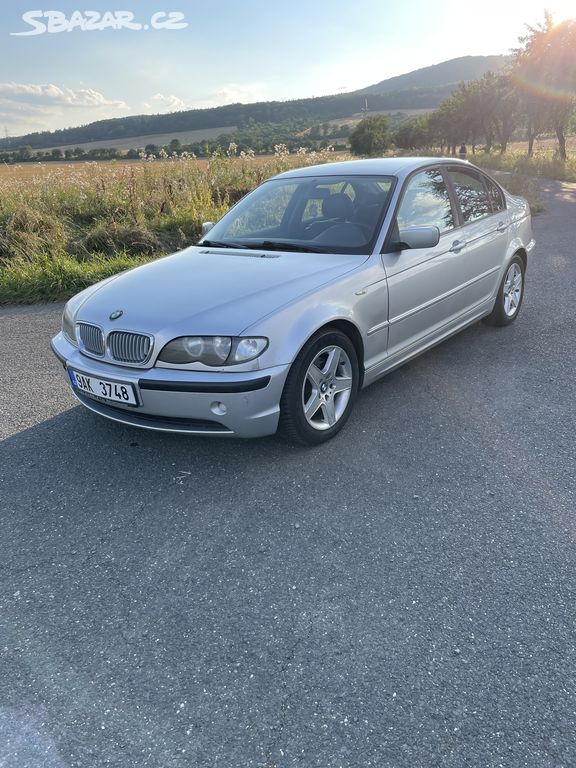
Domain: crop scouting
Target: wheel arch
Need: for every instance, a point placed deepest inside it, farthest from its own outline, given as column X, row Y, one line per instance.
column 293, row 422
column 523, row 255
column 351, row 331
column 516, row 248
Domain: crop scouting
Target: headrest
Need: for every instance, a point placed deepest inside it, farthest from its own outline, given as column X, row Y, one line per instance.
column 338, row 206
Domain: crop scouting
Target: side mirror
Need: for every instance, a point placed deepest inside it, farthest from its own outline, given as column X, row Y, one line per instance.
column 416, row 237
column 206, row 227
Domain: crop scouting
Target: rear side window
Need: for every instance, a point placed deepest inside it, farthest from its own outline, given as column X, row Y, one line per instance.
column 426, row 203
column 495, row 194
column 471, row 193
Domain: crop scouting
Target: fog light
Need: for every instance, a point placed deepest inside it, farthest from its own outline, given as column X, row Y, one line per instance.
column 218, row 409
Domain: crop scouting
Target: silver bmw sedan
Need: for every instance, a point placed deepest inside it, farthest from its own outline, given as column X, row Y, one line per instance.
column 314, row 285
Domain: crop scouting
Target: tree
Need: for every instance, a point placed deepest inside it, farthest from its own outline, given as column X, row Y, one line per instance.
column 371, row 136
column 505, row 109
column 24, row 154
column 412, row 134
column 544, row 70
column 447, row 126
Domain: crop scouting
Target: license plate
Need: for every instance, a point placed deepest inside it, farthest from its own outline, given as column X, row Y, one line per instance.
column 105, row 389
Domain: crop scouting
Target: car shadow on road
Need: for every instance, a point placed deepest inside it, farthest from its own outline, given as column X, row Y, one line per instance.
column 80, row 454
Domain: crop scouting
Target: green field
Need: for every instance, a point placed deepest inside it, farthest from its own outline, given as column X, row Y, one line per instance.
column 160, row 139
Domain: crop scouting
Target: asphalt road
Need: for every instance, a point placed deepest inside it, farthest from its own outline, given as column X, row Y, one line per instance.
column 401, row 597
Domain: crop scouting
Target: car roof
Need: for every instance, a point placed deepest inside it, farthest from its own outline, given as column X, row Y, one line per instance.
column 380, row 166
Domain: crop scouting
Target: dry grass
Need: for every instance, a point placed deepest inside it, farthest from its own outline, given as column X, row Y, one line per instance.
column 543, row 144
column 66, row 225
column 62, row 224
column 56, row 169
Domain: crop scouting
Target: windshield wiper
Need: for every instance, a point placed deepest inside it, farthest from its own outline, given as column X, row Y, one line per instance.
column 222, row 244
column 273, row 245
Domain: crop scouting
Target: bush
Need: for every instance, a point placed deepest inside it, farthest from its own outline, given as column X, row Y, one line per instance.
column 110, row 240
column 26, row 232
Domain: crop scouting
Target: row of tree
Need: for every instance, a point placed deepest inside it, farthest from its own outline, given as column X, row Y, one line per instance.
column 535, row 95
column 261, row 140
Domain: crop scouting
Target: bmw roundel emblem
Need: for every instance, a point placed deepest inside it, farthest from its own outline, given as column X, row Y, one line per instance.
column 116, row 315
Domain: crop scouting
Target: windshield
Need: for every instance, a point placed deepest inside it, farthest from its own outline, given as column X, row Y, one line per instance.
column 323, row 214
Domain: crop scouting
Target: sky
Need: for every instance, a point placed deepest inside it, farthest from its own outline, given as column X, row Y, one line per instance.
column 77, row 62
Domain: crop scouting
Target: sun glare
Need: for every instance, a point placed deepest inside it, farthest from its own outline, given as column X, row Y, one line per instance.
column 533, row 10
column 561, row 11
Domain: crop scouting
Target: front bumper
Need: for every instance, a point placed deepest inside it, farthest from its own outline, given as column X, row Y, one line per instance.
column 236, row 404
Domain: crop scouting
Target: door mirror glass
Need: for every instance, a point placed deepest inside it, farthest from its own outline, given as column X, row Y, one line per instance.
column 206, row 227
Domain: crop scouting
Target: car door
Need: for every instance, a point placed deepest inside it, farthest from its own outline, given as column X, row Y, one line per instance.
column 424, row 284
column 484, row 229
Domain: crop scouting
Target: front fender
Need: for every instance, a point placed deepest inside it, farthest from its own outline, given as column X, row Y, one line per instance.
column 289, row 332
column 360, row 299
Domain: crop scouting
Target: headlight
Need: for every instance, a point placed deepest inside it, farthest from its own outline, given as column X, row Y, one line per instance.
column 69, row 325
column 248, row 349
column 212, row 350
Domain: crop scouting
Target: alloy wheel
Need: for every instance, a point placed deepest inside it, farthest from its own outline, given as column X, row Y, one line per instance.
column 327, row 387
column 512, row 293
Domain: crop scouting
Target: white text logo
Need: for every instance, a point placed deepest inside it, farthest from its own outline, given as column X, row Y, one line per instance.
column 54, row 22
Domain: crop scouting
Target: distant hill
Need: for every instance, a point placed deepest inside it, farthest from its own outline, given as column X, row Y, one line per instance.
column 422, row 89
column 449, row 72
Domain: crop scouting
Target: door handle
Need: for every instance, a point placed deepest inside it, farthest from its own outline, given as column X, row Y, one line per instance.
column 457, row 246
column 501, row 227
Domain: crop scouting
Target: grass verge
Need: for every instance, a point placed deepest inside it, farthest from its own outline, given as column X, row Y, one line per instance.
column 56, row 278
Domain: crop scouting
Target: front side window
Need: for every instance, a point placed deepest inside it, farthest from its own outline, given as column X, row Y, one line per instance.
column 471, row 193
column 426, row 203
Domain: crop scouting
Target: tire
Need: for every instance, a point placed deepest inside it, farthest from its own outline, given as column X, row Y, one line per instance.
column 320, row 389
column 510, row 294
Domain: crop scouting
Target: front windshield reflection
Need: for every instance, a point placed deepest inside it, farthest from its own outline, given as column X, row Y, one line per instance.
column 323, row 214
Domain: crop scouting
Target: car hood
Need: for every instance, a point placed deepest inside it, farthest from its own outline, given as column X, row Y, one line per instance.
column 204, row 291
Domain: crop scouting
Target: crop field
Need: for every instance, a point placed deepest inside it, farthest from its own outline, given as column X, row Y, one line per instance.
column 544, row 144
column 59, row 170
